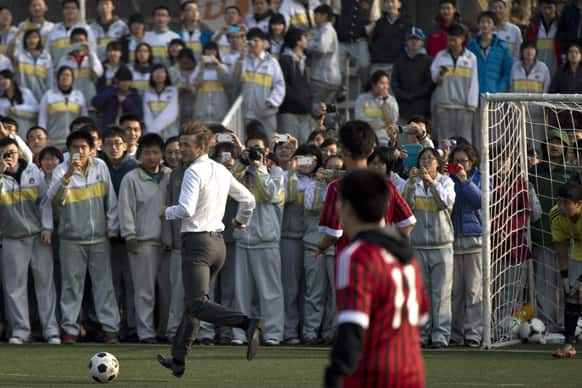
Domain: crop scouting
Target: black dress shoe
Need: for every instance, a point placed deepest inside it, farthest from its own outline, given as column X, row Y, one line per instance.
column 148, row 341
column 176, row 368
column 254, row 336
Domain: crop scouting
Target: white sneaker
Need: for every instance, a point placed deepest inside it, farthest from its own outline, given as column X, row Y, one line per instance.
column 272, row 342
column 54, row 340
column 236, row 342
column 15, row 341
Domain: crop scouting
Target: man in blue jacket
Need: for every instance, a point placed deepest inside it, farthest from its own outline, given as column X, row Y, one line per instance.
column 118, row 99
column 494, row 60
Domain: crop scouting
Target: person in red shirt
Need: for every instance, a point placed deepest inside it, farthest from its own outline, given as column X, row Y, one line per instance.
column 357, row 141
column 437, row 36
column 380, row 296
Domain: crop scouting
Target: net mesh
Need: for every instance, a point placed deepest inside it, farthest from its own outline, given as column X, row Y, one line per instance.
column 532, row 152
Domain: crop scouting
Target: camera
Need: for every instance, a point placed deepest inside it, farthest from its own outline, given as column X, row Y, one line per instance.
column 256, row 153
column 330, row 108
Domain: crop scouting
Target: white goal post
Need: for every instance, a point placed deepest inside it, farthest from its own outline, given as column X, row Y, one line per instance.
column 519, row 265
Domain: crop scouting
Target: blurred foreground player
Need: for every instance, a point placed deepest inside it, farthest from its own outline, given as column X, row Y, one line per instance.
column 380, row 297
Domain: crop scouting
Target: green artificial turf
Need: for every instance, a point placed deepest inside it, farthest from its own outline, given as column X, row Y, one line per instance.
column 216, row 367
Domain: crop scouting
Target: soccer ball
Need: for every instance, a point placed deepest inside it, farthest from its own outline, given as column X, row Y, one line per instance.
column 578, row 331
column 533, row 331
column 103, row 367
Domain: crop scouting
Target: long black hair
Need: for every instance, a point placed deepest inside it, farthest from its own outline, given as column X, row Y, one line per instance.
column 17, row 98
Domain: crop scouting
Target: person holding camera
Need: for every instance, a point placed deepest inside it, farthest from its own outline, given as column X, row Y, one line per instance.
column 84, row 62
column 84, row 198
column 26, row 225
column 211, row 81
column 258, row 258
column 261, row 80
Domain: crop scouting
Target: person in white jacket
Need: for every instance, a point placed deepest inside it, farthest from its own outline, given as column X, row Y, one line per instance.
column 17, row 103
column 160, row 37
column 84, row 62
column 33, row 65
column 142, row 196
column 160, row 104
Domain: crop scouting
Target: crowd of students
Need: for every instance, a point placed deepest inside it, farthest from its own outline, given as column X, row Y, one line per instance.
column 112, row 96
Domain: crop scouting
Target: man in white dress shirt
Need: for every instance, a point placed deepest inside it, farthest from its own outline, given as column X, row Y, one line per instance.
column 205, row 188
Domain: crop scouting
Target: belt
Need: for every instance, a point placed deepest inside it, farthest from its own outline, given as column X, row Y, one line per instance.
column 213, row 234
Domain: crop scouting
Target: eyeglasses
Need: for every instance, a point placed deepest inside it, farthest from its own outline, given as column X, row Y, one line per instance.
column 114, row 144
column 462, row 160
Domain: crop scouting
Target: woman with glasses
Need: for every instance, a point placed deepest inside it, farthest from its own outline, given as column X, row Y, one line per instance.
column 431, row 195
column 467, row 269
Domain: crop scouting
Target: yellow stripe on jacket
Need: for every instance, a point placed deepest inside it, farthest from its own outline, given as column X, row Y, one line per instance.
column 141, row 84
column 258, row 78
column 464, row 72
column 157, row 106
column 82, row 72
column 301, row 18
column 85, row 193
column 545, row 44
column 528, row 86
column 8, row 198
column 61, row 106
column 61, row 43
column 427, row 204
column 160, row 51
column 29, row 68
column 211, row 86
column 194, row 46
column 103, row 42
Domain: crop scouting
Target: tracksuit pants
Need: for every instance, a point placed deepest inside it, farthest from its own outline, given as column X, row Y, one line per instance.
column 258, row 276
column 448, row 122
column 292, row 280
column 437, row 270
column 144, row 267
column 76, row 259
column 297, row 125
column 320, row 305
column 17, row 257
column 123, row 286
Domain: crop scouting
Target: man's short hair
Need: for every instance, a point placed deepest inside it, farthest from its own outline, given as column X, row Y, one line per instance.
column 130, row 117
column 149, row 140
column 237, row 9
column 79, row 31
column 489, row 15
column 256, row 32
column 161, row 8
column 324, row 9
column 198, row 129
column 113, row 131
column 36, row 128
column 5, row 142
column 358, row 138
column 114, row 45
column 451, row 2
column 81, row 134
column 368, row 194
column 456, row 30
column 256, row 131
column 571, row 191
column 65, row 2
column 80, row 122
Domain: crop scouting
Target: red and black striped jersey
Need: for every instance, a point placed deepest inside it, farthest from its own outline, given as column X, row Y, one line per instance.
column 387, row 299
column 398, row 213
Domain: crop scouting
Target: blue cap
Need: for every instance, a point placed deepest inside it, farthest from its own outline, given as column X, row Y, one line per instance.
column 415, row 32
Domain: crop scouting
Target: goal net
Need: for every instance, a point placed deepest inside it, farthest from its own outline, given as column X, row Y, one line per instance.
column 530, row 150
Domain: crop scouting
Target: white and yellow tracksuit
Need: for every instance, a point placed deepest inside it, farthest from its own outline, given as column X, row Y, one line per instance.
column 24, row 213
column 6, row 37
column 5, row 63
column 536, row 80
column 131, row 46
column 193, row 39
column 86, row 205
column 456, row 95
column 212, row 102
column 45, row 29
column 109, row 73
column 56, row 112
column 25, row 114
column 141, row 199
column 107, row 33
column 378, row 112
column 141, row 81
column 36, row 74
column 160, row 111
column 263, row 89
column 296, row 15
column 86, row 74
column 59, row 40
column 159, row 42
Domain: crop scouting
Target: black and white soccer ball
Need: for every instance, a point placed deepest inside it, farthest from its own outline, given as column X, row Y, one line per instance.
column 533, row 331
column 103, row 367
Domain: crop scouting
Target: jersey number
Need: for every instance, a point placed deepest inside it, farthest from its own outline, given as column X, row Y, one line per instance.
column 411, row 303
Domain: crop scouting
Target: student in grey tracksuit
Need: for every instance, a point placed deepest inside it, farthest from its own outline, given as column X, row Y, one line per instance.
column 141, row 200
column 83, row 197
column 25, row 225
column 431, row 195
column 258, row 260
column 261, row 82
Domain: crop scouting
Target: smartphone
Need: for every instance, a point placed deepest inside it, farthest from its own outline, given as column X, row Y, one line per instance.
column 224, row 138
column 225, row 157
column 412, row 150
column 282, row 138
column 207, row 58
column 453, row 168
column 304, row 161
column 76, row 157
column 233, row 29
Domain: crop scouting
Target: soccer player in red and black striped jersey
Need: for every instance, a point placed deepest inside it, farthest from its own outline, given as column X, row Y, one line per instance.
column 357, row 141
column 381, row 300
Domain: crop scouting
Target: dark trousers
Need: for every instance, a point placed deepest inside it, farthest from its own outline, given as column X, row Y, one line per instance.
column 202, row 258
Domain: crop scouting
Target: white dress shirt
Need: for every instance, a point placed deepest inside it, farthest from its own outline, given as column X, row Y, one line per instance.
column 205, row 189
